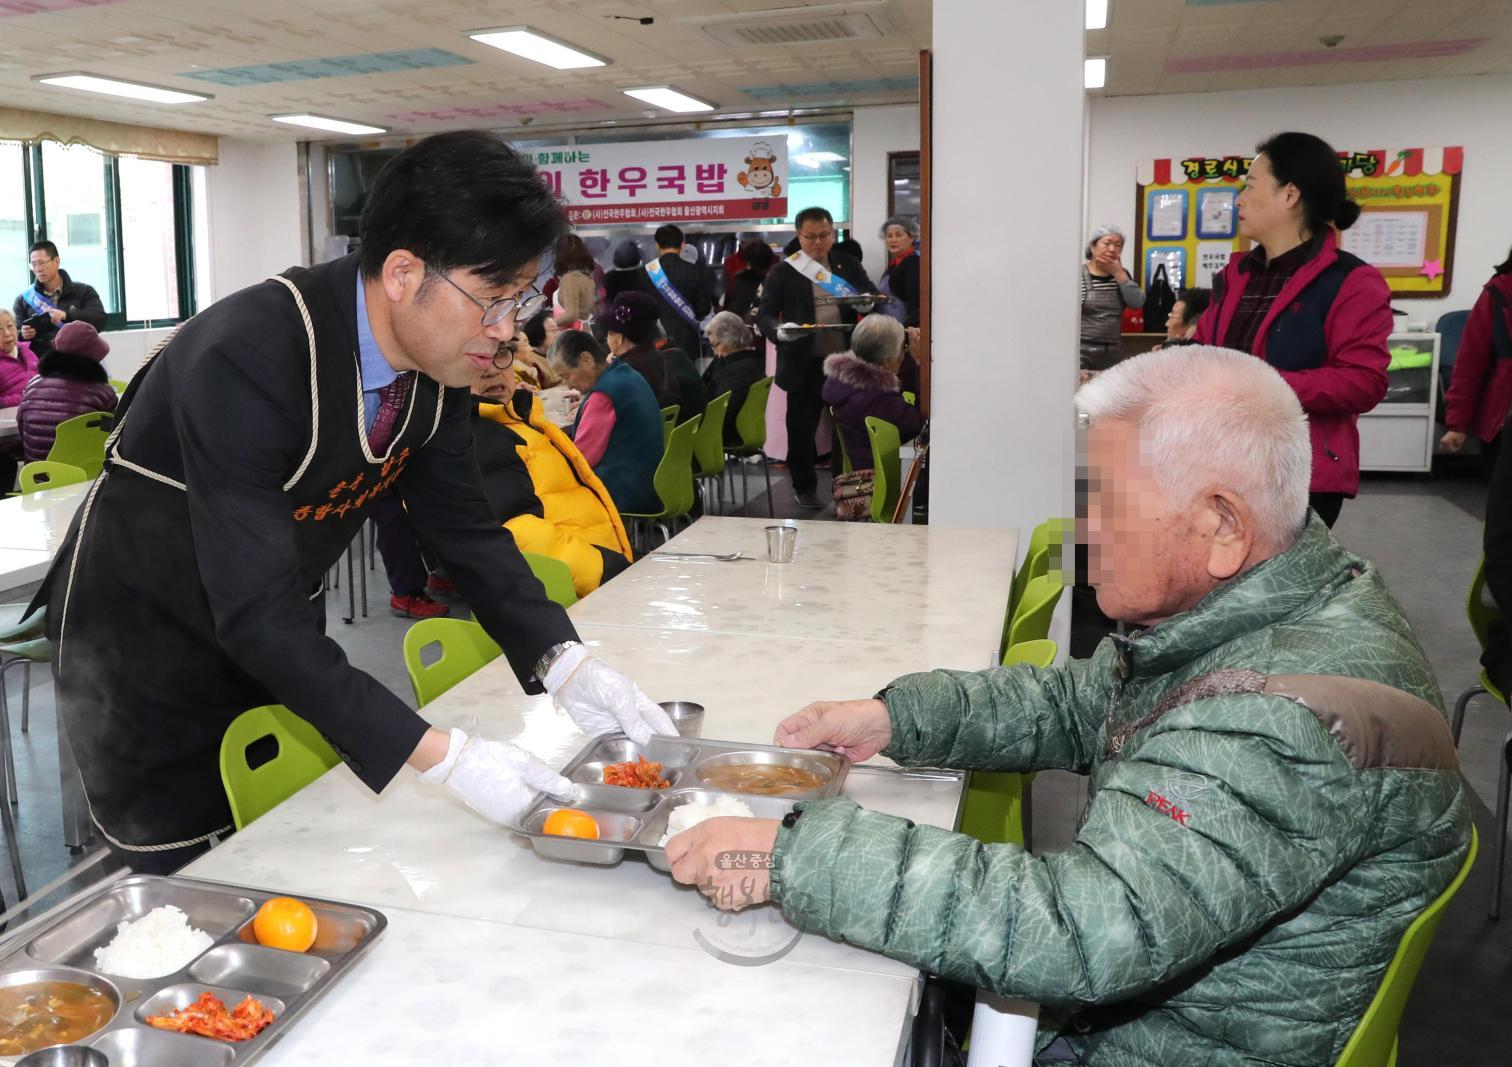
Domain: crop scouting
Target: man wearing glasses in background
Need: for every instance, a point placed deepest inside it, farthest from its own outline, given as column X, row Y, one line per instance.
column 53, row 299
column 808, row 288
column 248, row 452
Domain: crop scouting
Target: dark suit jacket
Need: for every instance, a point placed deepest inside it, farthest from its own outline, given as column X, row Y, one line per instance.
column 788, row 296
column 692, row 282
column 80, row 301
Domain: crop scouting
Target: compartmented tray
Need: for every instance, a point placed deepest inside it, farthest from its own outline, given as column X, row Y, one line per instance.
column 61, row 946
column 634, row 820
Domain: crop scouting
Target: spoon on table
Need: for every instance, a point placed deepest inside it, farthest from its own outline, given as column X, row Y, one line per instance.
column 729, row 557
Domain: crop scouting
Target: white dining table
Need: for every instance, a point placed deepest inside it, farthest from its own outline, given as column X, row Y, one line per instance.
column 32, row 529
column 9, row 430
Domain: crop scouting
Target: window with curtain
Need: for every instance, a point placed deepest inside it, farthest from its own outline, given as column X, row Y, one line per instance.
column 77, row 211
column 14, row 236
column 147, row 239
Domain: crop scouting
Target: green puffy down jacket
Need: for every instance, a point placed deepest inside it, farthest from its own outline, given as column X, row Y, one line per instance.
column 1275, row 797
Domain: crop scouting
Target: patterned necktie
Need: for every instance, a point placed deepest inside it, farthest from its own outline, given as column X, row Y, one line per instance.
column 391, row 399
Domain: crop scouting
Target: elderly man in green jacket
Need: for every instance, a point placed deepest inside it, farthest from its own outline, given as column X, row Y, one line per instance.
column 1274, row 791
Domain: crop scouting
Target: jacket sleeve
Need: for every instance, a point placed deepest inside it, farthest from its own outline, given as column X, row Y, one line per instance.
column 1151, row 889
column 239, row 442
column 444, row 495
column 1353, row 379
column 1472, row 368
column 1004, row 719
column 89, row 309
column 768, row 315
column 1130, row 292
column 905, row 416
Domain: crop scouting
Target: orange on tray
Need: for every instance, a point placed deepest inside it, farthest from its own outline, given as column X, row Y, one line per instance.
column 569, row 822
column 286, row 923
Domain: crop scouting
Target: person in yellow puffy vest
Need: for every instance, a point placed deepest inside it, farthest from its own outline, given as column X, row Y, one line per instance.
column 542, row 488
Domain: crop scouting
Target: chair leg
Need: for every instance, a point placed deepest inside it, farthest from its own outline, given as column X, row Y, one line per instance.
column 26, row 697
column 351, row 614
column 1459, row 710
column 362, row 568
column 766, row 468
column 13, row 845
column 7, row 754
column 1503, row 782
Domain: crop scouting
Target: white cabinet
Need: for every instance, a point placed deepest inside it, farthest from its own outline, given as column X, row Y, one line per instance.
column 1398, row 435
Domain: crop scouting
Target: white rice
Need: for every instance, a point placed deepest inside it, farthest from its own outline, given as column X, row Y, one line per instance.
column 690, row 815
column 159, row 943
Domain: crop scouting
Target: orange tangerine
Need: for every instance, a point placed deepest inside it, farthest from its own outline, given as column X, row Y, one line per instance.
column 568, row 822
column 286, row 923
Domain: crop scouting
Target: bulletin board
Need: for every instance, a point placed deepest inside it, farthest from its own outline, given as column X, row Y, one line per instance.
column 1409, row 201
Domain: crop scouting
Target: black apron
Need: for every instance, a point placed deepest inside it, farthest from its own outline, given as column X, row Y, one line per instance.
column 147, row 681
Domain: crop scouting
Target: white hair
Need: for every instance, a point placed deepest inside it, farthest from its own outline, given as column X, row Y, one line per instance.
column 877, row 339
column 1212, row 416
column 728, row 328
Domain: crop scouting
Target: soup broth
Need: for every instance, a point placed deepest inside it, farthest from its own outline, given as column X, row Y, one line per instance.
column 40, row 1014
column 762, row 779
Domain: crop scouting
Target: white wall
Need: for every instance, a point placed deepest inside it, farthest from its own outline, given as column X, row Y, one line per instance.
column 127, row 350
column 1472, row 112
column 1004, row 312
column 255, row 214
column 877, row 131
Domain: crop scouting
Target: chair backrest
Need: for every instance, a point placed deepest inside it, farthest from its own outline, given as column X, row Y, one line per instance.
column 1450, row 328
column 845, row 461
column 1046, row 542
column 669, row 420
column 45, row 474
column 1480, row 609
column 555, row 575
column 750, row 421
column 1039, row 653
column 708, row 445
column 1031, row 619
column 302, row 756
column 464, row 647
column 80, row 441
column 886, row 476
column 118, row 385
column 674, row 474
column 1373, row 1043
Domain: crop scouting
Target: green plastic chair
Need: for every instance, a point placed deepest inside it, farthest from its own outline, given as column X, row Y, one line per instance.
column 750, row 424
column 886, row 473
column 1374, row 1041
column 673, row 480
column 303, row 756
column 1031, row 619
column 80, row 441
column 846, row 467
column 1045, row 552
column 995, row 800
column 464, row 645
column 118, row 385
column 46, row 474
column 708, row 446
column 669, row 420
column 555, row 575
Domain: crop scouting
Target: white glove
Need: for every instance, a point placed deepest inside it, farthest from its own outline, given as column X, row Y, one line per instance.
column 600, row 699
column 494, row 778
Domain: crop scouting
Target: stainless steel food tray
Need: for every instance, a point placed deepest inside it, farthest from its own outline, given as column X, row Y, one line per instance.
column 63, row 944
column 634, row 820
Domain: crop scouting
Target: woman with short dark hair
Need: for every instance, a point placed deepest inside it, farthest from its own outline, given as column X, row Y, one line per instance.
column 901, row 278
column 1316, row 313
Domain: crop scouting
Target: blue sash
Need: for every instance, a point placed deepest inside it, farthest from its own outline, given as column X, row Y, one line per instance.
column 670, row 294
column 829, row 281
column 36, row 301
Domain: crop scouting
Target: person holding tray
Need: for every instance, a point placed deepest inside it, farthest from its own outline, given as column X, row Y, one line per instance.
column 1274, row 790
column 248, row 452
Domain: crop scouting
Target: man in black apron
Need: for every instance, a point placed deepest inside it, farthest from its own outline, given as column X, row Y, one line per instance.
column 247, row 453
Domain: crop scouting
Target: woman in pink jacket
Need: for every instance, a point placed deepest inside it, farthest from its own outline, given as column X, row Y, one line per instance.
column 1480, row 391
column 17, row 361
column 1317, row 314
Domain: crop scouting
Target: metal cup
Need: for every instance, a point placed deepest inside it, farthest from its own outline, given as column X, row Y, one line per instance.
column 65, row 1056
column 685, row 715
column 781, row 541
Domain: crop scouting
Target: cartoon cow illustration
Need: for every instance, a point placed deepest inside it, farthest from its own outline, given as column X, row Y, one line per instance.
column 759, row 177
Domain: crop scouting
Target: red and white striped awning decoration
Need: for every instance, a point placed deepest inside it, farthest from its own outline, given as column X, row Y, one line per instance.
column 1390, row 163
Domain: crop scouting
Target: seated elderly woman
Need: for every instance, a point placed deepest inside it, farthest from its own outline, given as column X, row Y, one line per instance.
column 1274, row 790
column 633, row 326
column 618, row 428
column 864, row 382
column 736, row 367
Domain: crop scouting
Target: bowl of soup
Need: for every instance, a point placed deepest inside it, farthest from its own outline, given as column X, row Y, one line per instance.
column 48, row 1006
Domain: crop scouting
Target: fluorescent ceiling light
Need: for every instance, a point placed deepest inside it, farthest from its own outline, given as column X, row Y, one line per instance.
column 537, row 47
column 91, row 83
column 1096, row 72
column 322, row 122
column 1097, row 14
column 668, row 98
column 814, row 160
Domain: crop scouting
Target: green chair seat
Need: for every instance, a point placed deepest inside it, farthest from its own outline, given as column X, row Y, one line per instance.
column 993, row 812
column 846, row 466
column 80, row 441
column 555, row 575
column 750, row 424
column 464, row 647
column 50, row 474
column 1031, row 619
column 303, row 756
column 1374, row 1041
column 886, row 474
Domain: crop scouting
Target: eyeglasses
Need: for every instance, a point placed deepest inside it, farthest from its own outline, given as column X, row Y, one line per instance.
column 496, row 311
column 35, row 263
column 825, row 236
column 504, row 357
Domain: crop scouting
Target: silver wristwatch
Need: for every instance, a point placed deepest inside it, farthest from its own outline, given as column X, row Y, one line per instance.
column 549, row 657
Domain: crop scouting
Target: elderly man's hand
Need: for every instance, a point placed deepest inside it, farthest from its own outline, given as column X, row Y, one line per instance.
column 57, row 315
column 28, row 332
column 728, row 859
column 856, row 729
